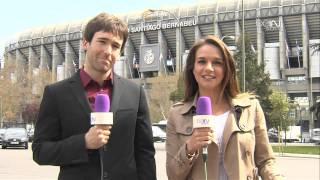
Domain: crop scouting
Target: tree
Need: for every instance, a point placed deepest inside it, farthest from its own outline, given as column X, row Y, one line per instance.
column 158, row 95
column 9, row 93
column 279, row 116
column 316, row 109
column 178, row 93
column 30, row 112
column 257, row 81
column 21, row 93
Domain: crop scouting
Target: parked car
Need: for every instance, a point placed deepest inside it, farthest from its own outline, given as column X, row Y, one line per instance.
column 161, row 124
column 15, row 137
column 30, row 134
column 315, row 135
column 2, row 130
column 158, row 134
column 273, row 135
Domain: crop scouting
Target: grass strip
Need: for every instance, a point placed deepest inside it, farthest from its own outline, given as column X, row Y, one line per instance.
column 314, row 150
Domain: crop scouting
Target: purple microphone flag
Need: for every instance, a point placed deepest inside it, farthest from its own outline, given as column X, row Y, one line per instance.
column 204, row 106
column 102, row 103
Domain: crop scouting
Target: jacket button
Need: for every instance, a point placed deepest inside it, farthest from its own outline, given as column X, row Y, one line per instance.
column 248, row 153
column 189, row 129
column 105, row 175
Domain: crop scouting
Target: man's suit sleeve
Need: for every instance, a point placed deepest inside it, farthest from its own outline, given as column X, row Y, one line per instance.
column 49, row 148
column 144, row 148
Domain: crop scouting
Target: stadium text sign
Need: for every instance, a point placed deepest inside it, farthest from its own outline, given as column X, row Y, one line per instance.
column 161, row 25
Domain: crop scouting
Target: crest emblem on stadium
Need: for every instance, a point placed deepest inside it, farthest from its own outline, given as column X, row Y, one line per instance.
column 149, row 56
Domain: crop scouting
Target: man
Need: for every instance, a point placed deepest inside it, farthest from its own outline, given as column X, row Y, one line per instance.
column 63, row 134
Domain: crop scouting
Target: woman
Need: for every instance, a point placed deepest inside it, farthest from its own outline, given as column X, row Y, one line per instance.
column 238, row 145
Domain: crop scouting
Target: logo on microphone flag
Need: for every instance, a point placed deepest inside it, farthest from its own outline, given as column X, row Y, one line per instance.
column 103, row 118
column 201, row 121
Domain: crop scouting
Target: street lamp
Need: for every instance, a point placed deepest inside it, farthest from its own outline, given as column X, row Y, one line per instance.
column 297, row 107
column 300, row 119
column 178, row 54
column 243, row 53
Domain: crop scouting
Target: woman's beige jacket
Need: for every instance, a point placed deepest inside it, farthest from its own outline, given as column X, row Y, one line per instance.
column 247, row 152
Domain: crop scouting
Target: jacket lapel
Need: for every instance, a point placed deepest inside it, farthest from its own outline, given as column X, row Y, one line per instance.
column 232, row 125
column 79, row 92
column 116, row 92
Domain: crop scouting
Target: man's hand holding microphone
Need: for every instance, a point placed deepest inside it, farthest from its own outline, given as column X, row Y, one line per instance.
column 102, row 121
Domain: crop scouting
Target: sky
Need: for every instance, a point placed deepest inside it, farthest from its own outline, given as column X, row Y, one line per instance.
column 17, row 16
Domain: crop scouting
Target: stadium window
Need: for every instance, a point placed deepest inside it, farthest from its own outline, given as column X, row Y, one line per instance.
column 296, row 79
column 296, row 61
column 292, row 114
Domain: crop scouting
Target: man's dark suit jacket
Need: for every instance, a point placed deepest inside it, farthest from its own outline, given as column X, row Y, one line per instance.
column 64, row 118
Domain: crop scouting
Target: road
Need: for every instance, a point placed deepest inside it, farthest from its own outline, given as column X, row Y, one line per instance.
column 17, row 164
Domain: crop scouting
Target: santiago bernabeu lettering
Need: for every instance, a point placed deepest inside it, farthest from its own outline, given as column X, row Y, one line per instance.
column 160, row 25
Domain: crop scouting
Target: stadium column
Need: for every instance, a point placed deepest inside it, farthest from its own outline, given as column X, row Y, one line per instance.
column 216, row 26
column 237, row 30
column 307, row 61
column 82, row 54
column 9, row 59
column 128, row 53
column 69, row 65
column 163, row 53
column 44, row 57
column 20, row 63
column 197, row 33
column 237, row 22
column 57, row 59
column 282, row 45
column 180, row 46
column 144, row 40
column 305, row 38
column 33, row 63
column 260, row 38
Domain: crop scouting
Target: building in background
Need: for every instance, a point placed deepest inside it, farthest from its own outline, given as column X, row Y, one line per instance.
column 281, row 33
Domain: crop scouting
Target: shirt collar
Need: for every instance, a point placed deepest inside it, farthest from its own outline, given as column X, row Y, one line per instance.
column 86, row 78
column 189, row 106
column 242, row 100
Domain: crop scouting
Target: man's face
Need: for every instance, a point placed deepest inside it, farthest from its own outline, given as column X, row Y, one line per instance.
column 102, row 52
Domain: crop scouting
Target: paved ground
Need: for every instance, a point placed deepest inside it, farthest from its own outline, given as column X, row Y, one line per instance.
column 17, row 164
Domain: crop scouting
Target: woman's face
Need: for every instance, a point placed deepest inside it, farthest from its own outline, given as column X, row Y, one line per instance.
column 209, row 68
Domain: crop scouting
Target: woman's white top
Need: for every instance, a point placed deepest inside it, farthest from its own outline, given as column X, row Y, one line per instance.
column 219, row 124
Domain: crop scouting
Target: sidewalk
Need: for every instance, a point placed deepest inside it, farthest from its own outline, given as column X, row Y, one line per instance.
column 277, row 154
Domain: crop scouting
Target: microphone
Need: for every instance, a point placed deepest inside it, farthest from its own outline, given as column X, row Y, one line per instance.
column 203, row 118
column 101, row 116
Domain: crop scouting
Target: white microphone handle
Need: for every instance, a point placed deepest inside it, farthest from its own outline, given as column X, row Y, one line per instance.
column 205, row 150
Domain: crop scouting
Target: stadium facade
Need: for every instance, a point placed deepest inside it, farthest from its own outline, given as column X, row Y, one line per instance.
column 282, row 33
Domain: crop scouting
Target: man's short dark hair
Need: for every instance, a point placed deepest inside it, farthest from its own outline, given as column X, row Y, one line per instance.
column 107, row 23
